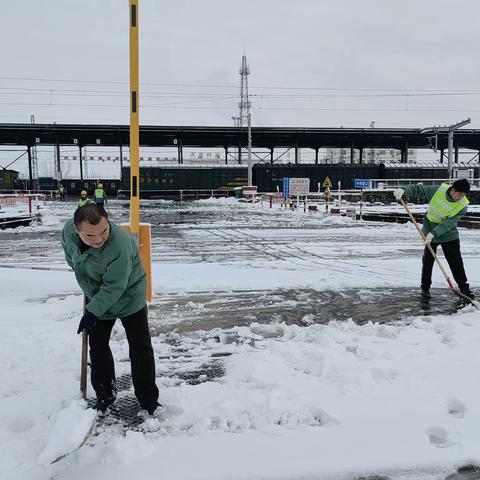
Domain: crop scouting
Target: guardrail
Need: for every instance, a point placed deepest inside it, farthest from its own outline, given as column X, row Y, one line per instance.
column 50, row 194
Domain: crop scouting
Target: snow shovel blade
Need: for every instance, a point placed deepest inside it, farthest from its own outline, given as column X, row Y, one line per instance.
column 82, row 443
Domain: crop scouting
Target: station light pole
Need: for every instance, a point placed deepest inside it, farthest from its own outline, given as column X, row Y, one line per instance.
column 249, row 155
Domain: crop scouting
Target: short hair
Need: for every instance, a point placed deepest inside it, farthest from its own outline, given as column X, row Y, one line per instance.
column 91, row 213
column 461, row 185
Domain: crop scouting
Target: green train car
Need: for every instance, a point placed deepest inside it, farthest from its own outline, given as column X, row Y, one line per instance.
column 155, row 180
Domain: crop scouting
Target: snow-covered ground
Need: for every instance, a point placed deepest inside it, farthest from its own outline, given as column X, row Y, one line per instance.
column 306, row 394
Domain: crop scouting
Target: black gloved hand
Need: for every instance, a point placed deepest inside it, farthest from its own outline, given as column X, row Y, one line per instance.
column 87, row 322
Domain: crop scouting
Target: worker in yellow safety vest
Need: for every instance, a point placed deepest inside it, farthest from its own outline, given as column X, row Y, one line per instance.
column 99, row 195
column 84, row 200
column 446, row 205
column 62, row 192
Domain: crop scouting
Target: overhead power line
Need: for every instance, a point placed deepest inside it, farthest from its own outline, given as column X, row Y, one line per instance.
column 177, row 106
column 272, row 87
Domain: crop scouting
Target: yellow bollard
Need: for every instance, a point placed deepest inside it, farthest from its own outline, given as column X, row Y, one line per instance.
column 326, row 196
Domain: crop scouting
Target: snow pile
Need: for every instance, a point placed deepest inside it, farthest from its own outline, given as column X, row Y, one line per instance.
column 297, row 376
column 315, row 401
column 227, row 201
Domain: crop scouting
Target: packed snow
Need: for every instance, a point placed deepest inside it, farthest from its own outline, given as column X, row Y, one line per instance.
column 307, row 399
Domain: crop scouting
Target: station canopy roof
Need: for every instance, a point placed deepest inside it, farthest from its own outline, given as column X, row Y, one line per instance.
column 211, row 136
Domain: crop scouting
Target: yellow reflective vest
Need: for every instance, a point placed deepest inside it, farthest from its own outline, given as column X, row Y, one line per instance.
column 84, row 201
column 99, row 193
column 440, row 208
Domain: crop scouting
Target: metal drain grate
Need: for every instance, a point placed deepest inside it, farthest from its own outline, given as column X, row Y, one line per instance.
column 125, row 411
column 124, row 382
column 206, row 373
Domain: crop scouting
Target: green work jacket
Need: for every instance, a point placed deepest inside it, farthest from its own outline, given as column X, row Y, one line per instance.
column 111, row 277
column 84, row 201
column 445, row 231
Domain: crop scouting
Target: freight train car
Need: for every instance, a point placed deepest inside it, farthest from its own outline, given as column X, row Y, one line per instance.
column 269, row 177
column 74, row 186
column 46, row 183
column 425, row 170
column 163, row 181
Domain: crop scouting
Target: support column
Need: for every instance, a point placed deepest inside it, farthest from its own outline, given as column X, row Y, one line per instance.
column 405, row 153
column 180, row 151
column 352, row 154
column 456, row 153
column 59, row 167
column 81, row 162
column 226, row 155
column 296, row 154
column 271, row 155
column 30, row 175
column 441, row 155
column 450, row 153
column 360, row 160
column 121, row 158
column 239, row 154
column 316, row 155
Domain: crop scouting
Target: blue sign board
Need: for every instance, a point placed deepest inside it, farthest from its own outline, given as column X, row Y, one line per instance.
column 286, row 187
column 362, row 183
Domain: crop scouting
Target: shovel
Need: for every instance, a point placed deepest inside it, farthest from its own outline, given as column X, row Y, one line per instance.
column 84, row 362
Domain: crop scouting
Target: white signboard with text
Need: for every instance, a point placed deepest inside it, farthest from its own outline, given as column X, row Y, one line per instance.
column 299, row 186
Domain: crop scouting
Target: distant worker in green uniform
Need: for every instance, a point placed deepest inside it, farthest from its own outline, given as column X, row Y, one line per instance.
column 447, row 204
column 99, row 195
column 62, row 192
column 84, row 200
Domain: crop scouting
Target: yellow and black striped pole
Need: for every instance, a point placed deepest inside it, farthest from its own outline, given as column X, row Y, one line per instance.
column 141, row 232
column 134, row 123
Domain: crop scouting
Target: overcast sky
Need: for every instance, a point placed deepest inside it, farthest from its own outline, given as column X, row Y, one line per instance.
column 407, row 63
column 314, row 63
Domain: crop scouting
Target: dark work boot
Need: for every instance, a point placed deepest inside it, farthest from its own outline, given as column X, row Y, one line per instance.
column 426, row 293
column 154, row 409
column 103, row 404
column 465, row 290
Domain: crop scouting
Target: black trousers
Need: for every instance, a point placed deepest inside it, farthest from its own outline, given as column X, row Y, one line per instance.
column 452, row 253
column 141, row 358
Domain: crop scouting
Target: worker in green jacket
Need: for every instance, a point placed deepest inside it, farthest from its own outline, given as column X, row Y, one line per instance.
column 447, row 204
column 107, row 268
column 84, row 200
column 62, row 192
column 99, row 195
